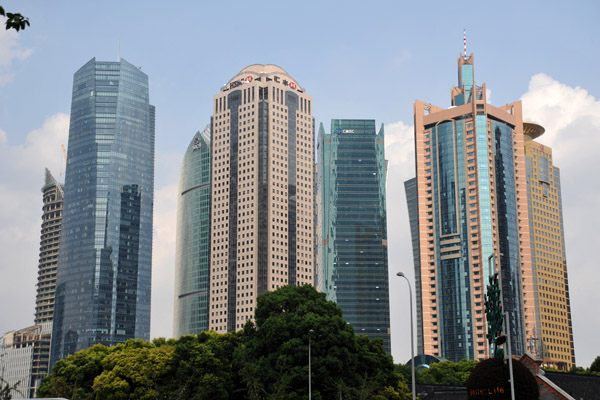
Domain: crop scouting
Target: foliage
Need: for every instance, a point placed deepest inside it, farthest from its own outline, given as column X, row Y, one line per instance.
column 203, row 366
column 274, row 357
column 14, row 20
column 134, row 370
column 593, row 370
column 74, row 376
column 6, row 390
column 267, row 360
column 595, row 366
column 447, row 373
column 493, row 312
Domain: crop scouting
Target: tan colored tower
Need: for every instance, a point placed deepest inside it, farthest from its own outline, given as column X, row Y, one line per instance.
column 469, row 219
column 550, row 336
column 262, row 202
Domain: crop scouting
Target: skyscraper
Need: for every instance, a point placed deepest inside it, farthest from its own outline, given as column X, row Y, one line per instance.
column 262, row 221
column 25, row 353
column 104, row 270
column 49, row 245
column 352, row 225
column 192, row 263
column 550, row 335
column 469, row 202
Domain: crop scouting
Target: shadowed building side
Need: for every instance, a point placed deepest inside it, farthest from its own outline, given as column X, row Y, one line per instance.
column 352, row 225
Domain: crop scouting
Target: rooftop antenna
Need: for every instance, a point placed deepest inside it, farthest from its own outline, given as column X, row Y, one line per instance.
column 465, row 41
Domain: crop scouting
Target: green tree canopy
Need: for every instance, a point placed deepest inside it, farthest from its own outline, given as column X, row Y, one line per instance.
column 595, row 366
column 267, row 360
column 447, row 372
column 273, row 362
column 74, row 376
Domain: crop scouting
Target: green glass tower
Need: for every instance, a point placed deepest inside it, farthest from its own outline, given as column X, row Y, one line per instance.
column 352, row 229
column 192, row 258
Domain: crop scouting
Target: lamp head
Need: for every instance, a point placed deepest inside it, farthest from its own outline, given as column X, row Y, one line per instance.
column 400, row 274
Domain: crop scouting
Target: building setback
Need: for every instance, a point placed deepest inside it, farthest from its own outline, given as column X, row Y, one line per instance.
column 551, row 336
column 53, row 193
column 469, row 202
column 352, row 254
column 262, row 221
column 104, row 270
column 192, row 256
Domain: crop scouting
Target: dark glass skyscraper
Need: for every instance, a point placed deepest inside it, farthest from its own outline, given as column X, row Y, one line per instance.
column 352, row 225
column 104, row 270
column 192, row 257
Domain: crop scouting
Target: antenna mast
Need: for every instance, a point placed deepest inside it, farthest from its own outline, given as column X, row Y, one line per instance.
column 465, row 42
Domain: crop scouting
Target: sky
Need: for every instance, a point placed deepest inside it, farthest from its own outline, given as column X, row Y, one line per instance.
column 358, row 60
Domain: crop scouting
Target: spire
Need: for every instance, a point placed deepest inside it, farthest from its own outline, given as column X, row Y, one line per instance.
column 465, row 42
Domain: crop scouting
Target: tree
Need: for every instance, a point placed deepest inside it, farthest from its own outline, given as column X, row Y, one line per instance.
column 273, row 359
column 447, row 372
column 74, row 376
column 595, row 366
column 203, row 366
column 493, row 311
column 6, row 390
column 14, row 20
column 134, row 370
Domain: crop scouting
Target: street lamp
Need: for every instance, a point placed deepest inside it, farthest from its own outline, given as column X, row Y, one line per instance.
column 412, row 340
column 309, row 372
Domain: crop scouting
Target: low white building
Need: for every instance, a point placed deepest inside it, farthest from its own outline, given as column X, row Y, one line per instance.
column 24, row 358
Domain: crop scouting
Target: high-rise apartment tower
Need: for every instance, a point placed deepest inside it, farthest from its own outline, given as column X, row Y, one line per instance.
column 262, row 222
column 49, row 245
column 352, row 225
column 551, row 335
column 469, row 218
column 192, row 257
column 104, row 270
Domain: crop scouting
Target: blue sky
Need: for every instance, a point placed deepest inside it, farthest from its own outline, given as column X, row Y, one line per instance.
column 357, row 60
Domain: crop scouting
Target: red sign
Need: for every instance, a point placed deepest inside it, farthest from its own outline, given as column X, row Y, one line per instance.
column 248, row 79
column 293, row 85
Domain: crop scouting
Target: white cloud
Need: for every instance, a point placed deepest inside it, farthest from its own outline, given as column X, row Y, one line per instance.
column 399, row 150
column 21, row 179
column 163, row 260
column 10, row 50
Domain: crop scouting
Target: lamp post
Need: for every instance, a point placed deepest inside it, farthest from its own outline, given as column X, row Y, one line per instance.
column 309, row 371
column 412, row 346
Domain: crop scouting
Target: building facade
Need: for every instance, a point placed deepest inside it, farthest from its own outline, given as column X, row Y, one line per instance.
column 551, row 337
column 262, row 221
column 24, row 358
column 104, row 270
column 469, row 202
column 53, row 193
column 192, row 257
column 352, row 225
